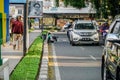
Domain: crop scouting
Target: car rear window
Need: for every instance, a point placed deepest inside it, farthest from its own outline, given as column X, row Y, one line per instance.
column 84, row 26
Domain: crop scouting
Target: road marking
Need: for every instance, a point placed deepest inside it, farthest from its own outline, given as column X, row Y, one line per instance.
column 62, row 39
column 93, row 57
column 57, row 72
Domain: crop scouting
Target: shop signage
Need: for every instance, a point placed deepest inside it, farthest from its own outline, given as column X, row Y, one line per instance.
column 17, row 1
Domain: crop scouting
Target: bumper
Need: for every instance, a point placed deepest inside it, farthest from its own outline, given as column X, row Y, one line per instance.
column 86, row 41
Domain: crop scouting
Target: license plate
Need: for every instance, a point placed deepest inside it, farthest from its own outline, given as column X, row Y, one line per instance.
column 85, row 39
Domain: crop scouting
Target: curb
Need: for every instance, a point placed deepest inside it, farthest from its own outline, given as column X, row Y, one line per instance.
column 43, row 75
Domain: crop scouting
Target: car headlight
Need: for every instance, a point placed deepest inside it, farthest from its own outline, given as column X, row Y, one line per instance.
column 94, row 33
column 76, row 36
column 96, row 36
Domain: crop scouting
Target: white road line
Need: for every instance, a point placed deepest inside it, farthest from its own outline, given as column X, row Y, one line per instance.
column 93, row 57
column 62, row 39
column 57, row 72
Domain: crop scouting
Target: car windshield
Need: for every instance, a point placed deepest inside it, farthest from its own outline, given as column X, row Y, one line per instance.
column 84, row 26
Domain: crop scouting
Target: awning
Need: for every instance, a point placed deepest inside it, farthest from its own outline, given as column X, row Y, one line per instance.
column 69, row 11
column 17, row 1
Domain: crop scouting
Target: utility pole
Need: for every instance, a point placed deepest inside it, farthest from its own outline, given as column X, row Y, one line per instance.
column 27, row 26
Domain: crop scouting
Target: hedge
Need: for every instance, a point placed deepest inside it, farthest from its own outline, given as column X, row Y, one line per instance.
column 27, row 68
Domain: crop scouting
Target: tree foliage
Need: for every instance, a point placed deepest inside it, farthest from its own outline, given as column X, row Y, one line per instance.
column 103, row 8
column 66, row 3
column 114, row 7
column 57, row 3
column 107, row 7
column 75, row 3
column 97, row 6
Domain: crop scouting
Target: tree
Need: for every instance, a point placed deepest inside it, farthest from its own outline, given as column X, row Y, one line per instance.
column 75, row 3
column 97, row 6
column 113, row 6
column 57, row 3
column 104, row 5
column 66, row 3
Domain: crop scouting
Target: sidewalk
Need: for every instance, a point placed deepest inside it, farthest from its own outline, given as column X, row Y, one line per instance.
column 15, row 56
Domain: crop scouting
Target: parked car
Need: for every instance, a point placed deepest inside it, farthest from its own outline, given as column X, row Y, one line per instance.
column 84, row 31
column 110, row 67
column 111, row 61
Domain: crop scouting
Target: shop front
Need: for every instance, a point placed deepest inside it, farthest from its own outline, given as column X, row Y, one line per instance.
column 61, row 19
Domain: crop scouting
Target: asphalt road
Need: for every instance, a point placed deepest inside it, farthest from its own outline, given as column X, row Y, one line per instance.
column 76, row 62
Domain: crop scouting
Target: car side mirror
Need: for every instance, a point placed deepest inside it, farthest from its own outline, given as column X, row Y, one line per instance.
column 112, row 38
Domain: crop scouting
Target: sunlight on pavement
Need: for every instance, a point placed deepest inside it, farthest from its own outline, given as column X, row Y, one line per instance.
column 85, row 64
column 69, row 57
column 12, row 57
column 79, row 61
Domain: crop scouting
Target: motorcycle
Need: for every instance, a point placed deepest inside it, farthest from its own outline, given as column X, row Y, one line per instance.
column 104, row 34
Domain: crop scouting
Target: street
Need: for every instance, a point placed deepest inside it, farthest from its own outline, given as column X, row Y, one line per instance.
column 76, row 62
column 25, row 22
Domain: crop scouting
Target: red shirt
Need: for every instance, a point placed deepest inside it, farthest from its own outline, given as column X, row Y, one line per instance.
column 17, row 27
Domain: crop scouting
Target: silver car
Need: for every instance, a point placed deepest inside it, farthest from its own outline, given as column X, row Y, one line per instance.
column 110, row 66
column 84, row 31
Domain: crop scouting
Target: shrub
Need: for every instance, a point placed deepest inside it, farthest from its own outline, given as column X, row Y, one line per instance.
column 27, row 68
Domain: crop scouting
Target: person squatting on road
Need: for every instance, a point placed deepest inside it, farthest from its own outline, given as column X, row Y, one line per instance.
column 51, row 38
column 17, row 30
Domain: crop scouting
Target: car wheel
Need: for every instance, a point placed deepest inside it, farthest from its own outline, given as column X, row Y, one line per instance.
column 102, row 68
column 97, row 44
column 104, row 71
column 72, row 43
column 118, row 73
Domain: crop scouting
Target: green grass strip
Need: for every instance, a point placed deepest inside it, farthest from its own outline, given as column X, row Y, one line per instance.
column 45, row 32
column 27, row 69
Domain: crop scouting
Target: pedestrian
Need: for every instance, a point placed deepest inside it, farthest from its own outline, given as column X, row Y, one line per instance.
column 17, row 29
column 10, row 30
column 69, row 29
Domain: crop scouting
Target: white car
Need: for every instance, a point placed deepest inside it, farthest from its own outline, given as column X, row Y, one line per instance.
column 84, row 31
